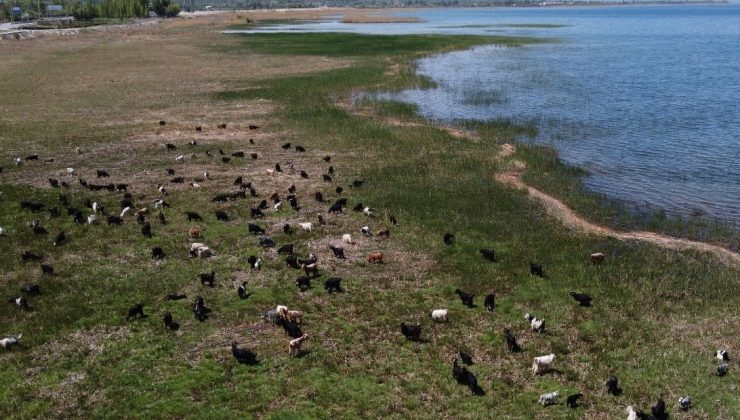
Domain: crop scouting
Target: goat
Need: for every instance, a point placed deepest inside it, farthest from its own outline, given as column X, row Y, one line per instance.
column 114, row 220
column 536, row 269
column 174, row 296
column 632, row 414
column 170, row 146
column 294, row 347
column 304, row 174
column 357, row 183
column 237, row 154
column 157, row 253
column 277, row 206
column 241, row 291
column 292, row 262
column 465, row 298
column 347, row 239
column 311, row 269
column 365, row 230
column 20, row 302
column 254, row 156
column 29, row 256
column 2, row 231
column 384, row 233
column 286, row 146
column 375, row 258
column 102, row 173
column 658, row 410
column 333, row 285
column 330, row 170
column 221, row 215
column 243, row 356
column 464, row 377
column 31, row 289
column 393, row 220
column 303, row 283
column 318, row 196
column 338, row 251
column 612, row 385
column 307, row 226
column 60, row 239
column 549, row 398
column 293, row 203
column 448, row 238
column 285, row 249
column 180, row 159
column 202, row 252
column 597, row 258
column 160, row 204
column 199, row 309
column 177, row 180
column 722, row 369
column 146, row 230
column 208, row 279
column 684, row 403
column 169, row 323
column 193, row 216
column 540, row 363
column 291, row 328
column 583, row 299
column 287, row 229
column 8, row 342
column 321, row 219
column 723, row 355
column 358, row 208
column 538, row 325
column 195, row 232
column 54, row 183
column 572, row 400
column 267, row 242
column 439, row 315
column 466, row 358
column 256, row 213
column 335, row 208
column 511, row 341
column 300, row 149
column 488, row 254
column 161, row 218
column 136, row 311
column 490, row 301
column 225, row 159
column 411, row 332
column 326, row 178
column 327, row 158
column 339, row 190
column 369, row 211
column 255, row 229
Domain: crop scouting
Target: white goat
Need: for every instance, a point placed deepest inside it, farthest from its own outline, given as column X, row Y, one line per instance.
column 684, row 403
column 158, row 204
column 366, row 231
column 18, row 161
column 180, row 158
column 97, row 207
column 369, row 211
column 548, row 399
column 631, row 413
column 723, row 355
column 2, row 231
column 541, row 362
column 70, row 171
column 125, row 211
column 439, row 315
column 294, row 347
column 10, row 341
column 538, row 325
column 278, row 205
column 347, row 239
column 91, row 219
column 308, row 226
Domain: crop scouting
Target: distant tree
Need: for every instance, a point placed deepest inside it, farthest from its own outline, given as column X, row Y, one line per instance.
column 172, row 10
column 122, row 9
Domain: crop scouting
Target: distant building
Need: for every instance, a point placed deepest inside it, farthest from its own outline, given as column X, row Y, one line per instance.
column 54, row 10
column 16, row 11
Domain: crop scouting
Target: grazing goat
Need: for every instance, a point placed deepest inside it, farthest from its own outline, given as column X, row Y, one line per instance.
column 541, row 363
column 256, row 213
column 277, row 206
column 357, row 183
column 267, row 242
column 722, row 369
column 347, row 239
column 300, row 149
column 464, row 377
column 439, row 315
column 169, row 323
column 193, row 216
column 365, row 230
column 47, row 269
column 465, row 298
column 358, row 208
column 333, row 284
column 286, row 146
column 29, row 256
column 375, row 258
column 597, row 258
column 338, row 251
column 136, row 311
column 311, row 269
column 307, row 226
column 330, row 170
column 175, row 296
column 369, row 211
column 684, row 403
column 221, row 215
column 294, row 347
column 448, row 238
column 208, row 279
column 335, row 208
column 304, row 174
column 384, row 233
column 9, row 342
column 321, row 219
column 511, row 341
column 199, row 309
column 326, row 178
column 60, row 239
column 54, row 183
column 291, row 328
column 339, row 190
column 286, row 249
column 157, row 253
column 723, row 355
column 327, row 158
column 393, row 220
column 292, row 262
column 583, row 299
column 114, row 220
column 538, row 325
column 20, row 302
column 411, row 332
column 318, row 196
column 303, row 283
column 146, row 230
column 572, row 400
column 243, row 356
column 658, row 410
column 488, row 254
column 170, row 146
column 490, row 301
column 536, row 269
column 255, row 229
column 612, row 385
column 549, row 398
column 632, row 414
column 466, row 358
column 287, row 229
column 102, row 173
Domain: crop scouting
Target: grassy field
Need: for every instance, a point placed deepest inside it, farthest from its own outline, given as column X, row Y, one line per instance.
column 658, row 315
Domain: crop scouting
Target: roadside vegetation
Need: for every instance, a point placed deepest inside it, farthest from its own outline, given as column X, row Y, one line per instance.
column 657, row 316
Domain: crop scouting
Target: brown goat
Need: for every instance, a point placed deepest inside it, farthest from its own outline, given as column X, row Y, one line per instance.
column 195, row 232
column 597, row 258
column 311, row 269
column 375, row 257
column 384, row 233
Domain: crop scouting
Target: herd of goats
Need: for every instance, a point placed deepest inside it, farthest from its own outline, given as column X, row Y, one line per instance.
column 282, row 316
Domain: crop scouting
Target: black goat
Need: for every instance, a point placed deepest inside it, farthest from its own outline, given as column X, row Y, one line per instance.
column 200, row 310
column 256, row 213
column 243, row 356
column 511, row 341
column 300, row 149
column 572, row 400
column 262, row 206
column 241, row 291
column 193, row 216
column 60, row 239
column 169, row 323
column 321, row 220
column 161, row 218
column 30, row 256
column 54, row 183
column 286, row 146
column 612, row 385
column 278, row 168
column 330, row 170
column 221, row 215
column 208, row 279
column 47, row 269
column 393, row 220
column 225, row 159
column 255, row 229
column 583, row 299
column 114, row 220
column 411, row 332
column 465, row 298
column 175, row 296
column 136, row 311
column 488, row 254
column 465, row 377
column 326, row 177
column 335, row 208
column 286, row 249
column 318, row 196
column 333, row 284
column 292, row 262
column 238, row 180
column 146, row 230
column 157, row 253
column 267, row 242
column 304, row 174
column 293, row 200
column 31, row 289
column 448, row 238
column 490, row 301
column 177, row 180
column 170, row 146
column 327, row 158
column 358, row 208
column 466, row 358
column 102, row 174
column 303, row 283
column 291, row 328
column 339, row 190
column 237, row 154
column 254, row 156
column 536, row 269
column 287, row 229
column 338, row 251
column 357, row 183
column 658, row 410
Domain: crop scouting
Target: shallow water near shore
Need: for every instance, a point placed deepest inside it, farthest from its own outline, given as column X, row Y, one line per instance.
column 645, row 98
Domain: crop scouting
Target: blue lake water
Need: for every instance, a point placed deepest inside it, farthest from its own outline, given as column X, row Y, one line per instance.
column 646, row 98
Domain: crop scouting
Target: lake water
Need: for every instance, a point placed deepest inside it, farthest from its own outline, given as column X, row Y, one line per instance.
column 646, row 98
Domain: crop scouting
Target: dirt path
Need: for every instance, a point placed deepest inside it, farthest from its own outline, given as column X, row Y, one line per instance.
column 557, row 209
